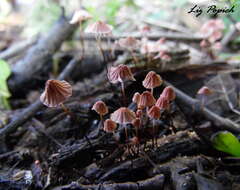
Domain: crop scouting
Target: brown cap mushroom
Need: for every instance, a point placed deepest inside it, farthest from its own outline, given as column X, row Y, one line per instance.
column 100, row 107
column 99, row 28
column 123, row 116
column 146, row 100
column 136, row 97
column 154, row 112
column 169, row 93
column 152, row 80
column 55, row 93
column 162, row 103
column 120, row 74
column 109, row 126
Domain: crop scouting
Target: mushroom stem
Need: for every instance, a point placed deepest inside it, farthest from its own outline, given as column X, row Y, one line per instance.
column 126, row 132
column 81, row 39
column 123, row 94
column 134, row 58
column 101, row 120
column 66, row 110
column 152, row 91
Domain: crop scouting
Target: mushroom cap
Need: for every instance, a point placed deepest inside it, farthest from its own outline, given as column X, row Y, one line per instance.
column 55, row 93
column 136, row 97
column 205, row 91
column 120, row 73
column 162, row 103
column 146, row 100
column 79, row 16
column 99, row 28
column 169, row 93
column 129, row 43
column 109, row 126
column 152, row 80
column 154, row 112
column 123, row 116
column 100, row 107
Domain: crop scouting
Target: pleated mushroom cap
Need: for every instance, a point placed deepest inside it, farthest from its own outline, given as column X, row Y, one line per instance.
column 146, row 100
column 79, row 16
column 154, row 112
column 204, row 91
column 100, row 107
column 152, row 80
column 136, row 97
column 99, row 28
column 162, row 103
column 169, row 93
column 129, row 43
column 55, row 93
column 123, row 116
column 109, row 126
column 120, row 73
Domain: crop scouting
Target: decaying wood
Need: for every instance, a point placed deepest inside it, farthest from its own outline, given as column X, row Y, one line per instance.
column 154, row 183
column 169, row 36
column 38, row 55
column 17, row 48
column 197, row 108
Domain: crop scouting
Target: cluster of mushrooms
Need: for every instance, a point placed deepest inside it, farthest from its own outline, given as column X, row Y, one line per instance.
column 148, row 109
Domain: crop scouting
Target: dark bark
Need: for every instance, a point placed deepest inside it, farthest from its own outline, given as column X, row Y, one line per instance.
column 26, row 69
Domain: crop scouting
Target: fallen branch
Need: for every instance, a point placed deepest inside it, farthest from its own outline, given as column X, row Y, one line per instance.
column 154, row 183
column 17, row 48
column 33, row 108
column 168, row 36
column 197, row 108
column 38, row 55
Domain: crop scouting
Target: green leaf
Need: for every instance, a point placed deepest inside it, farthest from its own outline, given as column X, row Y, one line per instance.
column 226, row 142
column 5, row 72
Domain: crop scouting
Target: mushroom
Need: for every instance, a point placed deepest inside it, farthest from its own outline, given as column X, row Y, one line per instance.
column 79, row 17
column 101, row 108
column 154, row 114
column 100, row 28
column 120, row 74
column 146, row 100
column 203, row 93
column 109, row 126
column 130, row 44
column 136, row 97
column 169, row 93
column 123, row 116
column 152, row 80
column 162, row 103
column 55, row 93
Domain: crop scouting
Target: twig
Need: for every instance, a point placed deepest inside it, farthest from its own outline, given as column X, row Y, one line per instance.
column 168, row 36
column 18, row 48
column 224, row 90
column 37, row 105
column 219, row 121
column 154, row 183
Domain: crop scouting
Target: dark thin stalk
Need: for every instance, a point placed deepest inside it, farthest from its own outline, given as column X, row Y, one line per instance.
column 136, row 62
column 123, row 94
